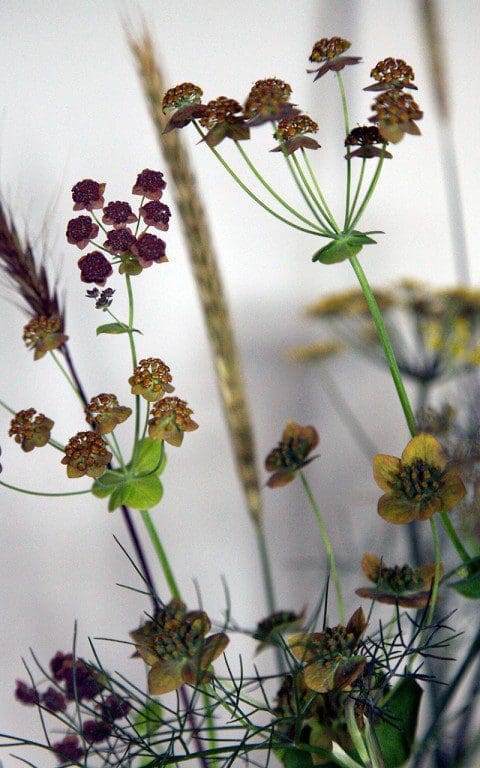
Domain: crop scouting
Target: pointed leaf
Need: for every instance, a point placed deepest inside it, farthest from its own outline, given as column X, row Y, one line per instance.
column 105, row 484
column 117, row 498
column 151, row 457
column 396, row 736
column 115, row 328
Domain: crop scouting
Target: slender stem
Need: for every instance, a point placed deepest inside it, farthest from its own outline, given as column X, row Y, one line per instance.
column 347, row 131
column 268, row 582
column 357, row 191
column 66, row 376
column 370, row 190
column 161, row 554
column 134, row 359
column 270, row 189
column 436, row 577
column 39, row 493
column 145, row 426
column 117, row 320
column 447, row 524
column 304, row 185
column 117, row 451
column 385, row 341
column 329, row 215
column 73, row 373
column 253, row 196
column 327, row 546
column 354, row 731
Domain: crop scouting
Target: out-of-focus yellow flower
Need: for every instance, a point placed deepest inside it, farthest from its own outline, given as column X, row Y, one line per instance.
column 291, row 454
column 405, row 586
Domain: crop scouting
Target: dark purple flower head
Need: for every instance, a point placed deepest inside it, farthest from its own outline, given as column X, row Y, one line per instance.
column 26, row 694
column 156, row 214
column 119, row 240
column 149, row 184
column 68, row 750
column 59, row 663
column 95, row 731
column 118, row 214
column 114, row 708
column 53, row 700
column 94, row 268
column 82, row 681
column 81, row 230
column 87, row 195
column 149, row 248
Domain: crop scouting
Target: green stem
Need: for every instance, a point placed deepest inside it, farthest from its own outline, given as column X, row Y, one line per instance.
column 436, row 577
column 253, row 196
column 134, row 359
column 327, row 546
column 357, row 191
column 370, row 190
column 39, row 493
column 161, row 554
column 67, row 377
column 303, row 184
column 145, row 426
column 385, row 341
column 347, row 131
column 329, row 215
column 117, row 452
column 448, row 525
column 354, row 732
column 270, row 189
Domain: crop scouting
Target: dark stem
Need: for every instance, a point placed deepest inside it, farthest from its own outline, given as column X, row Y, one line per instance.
column 74, row 374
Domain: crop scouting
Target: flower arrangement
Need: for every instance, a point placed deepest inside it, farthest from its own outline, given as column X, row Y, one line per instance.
column 347, row 682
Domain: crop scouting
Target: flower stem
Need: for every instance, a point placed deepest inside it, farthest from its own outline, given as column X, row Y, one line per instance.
column 385, row 341
column 357, row 191
column 303, row 184
column 161, row 554
column 370, row 190
column 67, row 377
column 347, row 130
column 329, row 215
column 436, row 577
column 448, row 525
column 270, row 189
column 327, row 546
column 134, row 359
column 39, row 493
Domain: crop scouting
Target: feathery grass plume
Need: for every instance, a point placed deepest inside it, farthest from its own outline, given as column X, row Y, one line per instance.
column 206, row 275
column 26, row 277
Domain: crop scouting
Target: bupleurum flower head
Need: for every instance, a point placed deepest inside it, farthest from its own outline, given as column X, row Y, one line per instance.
column 395, row 115
column 397, row 585
column 270, row 629
column 174, row 645
column 329, row 51
column 291, row 454
column 170, row 419
column 81, row 230
column 223, row 118
column 365, row 137
column 330, row 657
column 30, row 432
column 104, row 413
column 94, row 268
column 119, row 240
column 392, row 74
column 88, row 195
column 151, row 378
column 293, row 136
column 156, row 214
column 417, row 485
column 149, row 184
column 86, row 454
column 148, row 249
column 118, row 214
column 43, row 334
column 268, row 101
column 184, row 101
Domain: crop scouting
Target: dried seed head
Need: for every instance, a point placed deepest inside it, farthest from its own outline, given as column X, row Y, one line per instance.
column 30, row 432
column 394, row 71
column 328, row 48
column 94, row 268
column 266, row 99
column 44, row 334
column 219, row 111
column 86, row 454
column 181, row 96
column 151, row 379
column 81, row 230
column 296, row 126
column 291, row 453
column 170, row 419
column 104, row 413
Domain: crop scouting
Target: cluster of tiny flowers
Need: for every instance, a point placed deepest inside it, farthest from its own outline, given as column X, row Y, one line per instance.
column 395, row 111
column 86, row 454
column 103, row 299
column 44, row 334
column 366, row 137
column 74, row 681
column 104, row 413
column 30, row 432
column 132, row 252
column 328, row 52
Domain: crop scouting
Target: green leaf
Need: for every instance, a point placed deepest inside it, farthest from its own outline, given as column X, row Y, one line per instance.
column 151, row 457
column 343, row 247
column 105, row 484
column 117, row 498
column 115, row 328
column 396, row 736
column 469, row 585
column 142, row 493
column 149, row 718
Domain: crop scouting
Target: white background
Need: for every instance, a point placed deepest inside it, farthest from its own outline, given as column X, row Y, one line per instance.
column 71, row 109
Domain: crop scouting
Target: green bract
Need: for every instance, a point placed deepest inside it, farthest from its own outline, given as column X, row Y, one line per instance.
column 469, row 585
column 343, row 247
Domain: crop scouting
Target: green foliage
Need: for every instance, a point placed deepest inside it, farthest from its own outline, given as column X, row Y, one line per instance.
column 343, row 247
column 139, row 487
column 396, row 733
column 469, row 585
column 115, row 328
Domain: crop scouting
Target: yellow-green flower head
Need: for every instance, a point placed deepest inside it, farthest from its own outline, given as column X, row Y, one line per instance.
column 418, row 484
column 291, row 454
column 170, row 419
column 151, row 378
column 86, row 454
column 104, row 413
column 30, row 432
column 395, row 115
column 174, row 645
column 43, row 334
column 400, row 585
column 330, row 657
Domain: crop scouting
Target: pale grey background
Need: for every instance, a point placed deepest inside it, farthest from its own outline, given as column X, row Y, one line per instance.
column 72, row 108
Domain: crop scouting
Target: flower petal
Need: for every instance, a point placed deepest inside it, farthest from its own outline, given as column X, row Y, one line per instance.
column 397, row 511
column 213, row 648
column 427, row 572
column 424, row 447
column 371, row 566
column 356, row 624
column 385, row 471
column 452, row 492
column 320, row 676
column 165, row 676
column 428, row 509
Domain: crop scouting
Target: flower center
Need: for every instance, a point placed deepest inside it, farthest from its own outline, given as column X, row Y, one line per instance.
column 419, row 481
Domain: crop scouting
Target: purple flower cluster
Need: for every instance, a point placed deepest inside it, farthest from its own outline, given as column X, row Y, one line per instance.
column 133, row 252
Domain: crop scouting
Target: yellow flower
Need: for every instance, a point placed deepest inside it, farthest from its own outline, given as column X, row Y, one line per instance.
column 86, row 454
column 151, row 378
column 405, row 586
column 173, row 644
column 418, row 484
column 331, row 661
column 170, row 419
